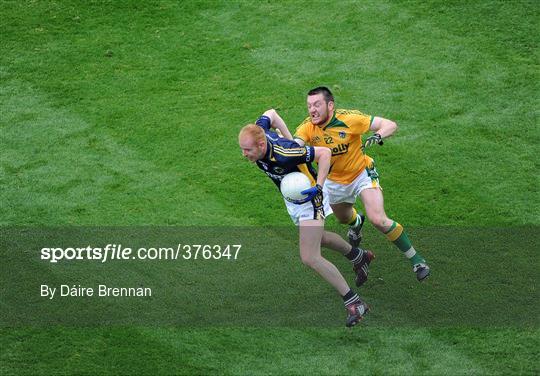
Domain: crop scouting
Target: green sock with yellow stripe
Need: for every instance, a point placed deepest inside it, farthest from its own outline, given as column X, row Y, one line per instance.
column 399, row 237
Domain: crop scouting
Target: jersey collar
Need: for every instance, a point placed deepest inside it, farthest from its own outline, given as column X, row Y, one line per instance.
column 335, row 123
column 331, row 122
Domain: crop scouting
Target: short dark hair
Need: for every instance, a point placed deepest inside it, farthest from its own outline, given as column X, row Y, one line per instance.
column 327, row 94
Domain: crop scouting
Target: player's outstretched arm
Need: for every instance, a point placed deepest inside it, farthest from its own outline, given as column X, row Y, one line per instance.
column 383, row 127
column 277, row 123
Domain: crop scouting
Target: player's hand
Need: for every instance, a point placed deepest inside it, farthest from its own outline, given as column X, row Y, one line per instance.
column 312, row 193
column 318, row 204
column 315, row 195
column 371, row 140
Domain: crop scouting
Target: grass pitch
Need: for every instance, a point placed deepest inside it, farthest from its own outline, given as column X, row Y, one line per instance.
column 127, row 113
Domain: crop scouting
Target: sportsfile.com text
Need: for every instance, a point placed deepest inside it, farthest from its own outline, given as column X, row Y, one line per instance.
column 119, row 252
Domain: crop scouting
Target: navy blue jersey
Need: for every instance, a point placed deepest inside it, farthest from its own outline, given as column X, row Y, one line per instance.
column 284, row 156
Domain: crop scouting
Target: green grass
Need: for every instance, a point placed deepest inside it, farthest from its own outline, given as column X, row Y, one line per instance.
column 124, row 113
column 280, row 351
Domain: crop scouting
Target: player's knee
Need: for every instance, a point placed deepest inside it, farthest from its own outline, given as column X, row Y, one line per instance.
column 379, row 221
column 343, row 218
column 307, row 260
column 326, row 240
column 310, row 260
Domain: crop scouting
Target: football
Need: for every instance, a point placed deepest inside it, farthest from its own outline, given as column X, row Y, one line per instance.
column 292, row 184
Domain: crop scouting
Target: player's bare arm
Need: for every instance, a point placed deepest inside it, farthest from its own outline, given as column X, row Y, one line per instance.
column 277, row 123
column 322, row 157
column 382, row 126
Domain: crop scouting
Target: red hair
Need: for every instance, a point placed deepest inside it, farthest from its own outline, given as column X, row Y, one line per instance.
column 253, row 131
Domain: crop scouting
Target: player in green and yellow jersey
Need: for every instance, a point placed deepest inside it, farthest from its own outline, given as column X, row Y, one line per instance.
column 352, row 172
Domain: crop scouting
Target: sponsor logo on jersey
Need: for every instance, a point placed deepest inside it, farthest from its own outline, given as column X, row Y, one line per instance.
column 279, row 170
column 316, row 139
column 340, row 149
column 264, row 165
